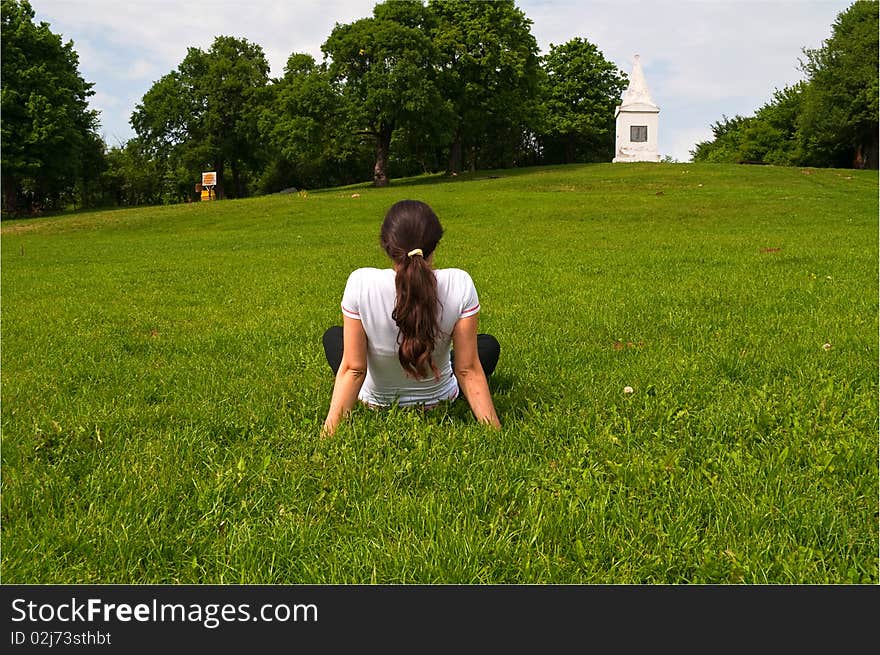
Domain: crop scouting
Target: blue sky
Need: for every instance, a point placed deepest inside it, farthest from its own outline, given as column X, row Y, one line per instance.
column 702, row 58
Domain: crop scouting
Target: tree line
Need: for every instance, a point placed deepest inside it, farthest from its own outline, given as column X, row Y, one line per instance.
column 442, row 85
column 830, row 119
column 419, row 86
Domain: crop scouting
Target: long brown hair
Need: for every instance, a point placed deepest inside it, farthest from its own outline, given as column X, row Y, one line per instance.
column 412, row 225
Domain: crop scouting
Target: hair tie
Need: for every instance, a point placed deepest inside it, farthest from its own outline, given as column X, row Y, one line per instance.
column 416, row 251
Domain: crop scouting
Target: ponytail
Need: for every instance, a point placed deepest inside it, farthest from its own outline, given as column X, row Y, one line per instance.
column 415, row 314
column 410, row 233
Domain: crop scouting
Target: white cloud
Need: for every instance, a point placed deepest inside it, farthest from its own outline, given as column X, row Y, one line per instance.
column 140, row 69
column 159, row 32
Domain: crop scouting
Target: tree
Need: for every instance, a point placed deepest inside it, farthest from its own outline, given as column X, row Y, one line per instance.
column 768, row 137
column 725, row 144
column 839, row 121
column 304, row 127
column 167, row 122
column 773, row 138
column 581, row 91
column 488, row 72
column 48, row 132
column 205, row 114
column 829, row 119
column 385, row 70
column 135, row 176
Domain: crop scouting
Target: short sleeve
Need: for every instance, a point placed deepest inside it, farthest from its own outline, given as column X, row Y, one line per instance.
column 351, row 297
column 470, row 303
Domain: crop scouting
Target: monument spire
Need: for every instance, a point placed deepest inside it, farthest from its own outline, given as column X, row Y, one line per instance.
column 636, row 120
column 637, row 92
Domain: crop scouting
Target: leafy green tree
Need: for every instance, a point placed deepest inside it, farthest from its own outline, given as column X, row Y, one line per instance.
column 839, row 120
column 385, row 70
column 830, row 119
column 304, row 128
column 167, row 122
column 725, row 144
column 581, row 91
column 773, row 138
column 768, row 137
column 87, row 187
column 489, row 70
column 135, row 176
column 49, row 134
column 205, row 114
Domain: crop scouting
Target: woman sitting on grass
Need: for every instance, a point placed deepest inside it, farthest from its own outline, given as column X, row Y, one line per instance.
column 400, row 325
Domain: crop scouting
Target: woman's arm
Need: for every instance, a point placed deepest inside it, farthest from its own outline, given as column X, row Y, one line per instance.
column 469, row 371
column 350, row 376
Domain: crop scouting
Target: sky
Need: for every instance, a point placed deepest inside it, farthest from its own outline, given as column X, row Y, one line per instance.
column 703, row 59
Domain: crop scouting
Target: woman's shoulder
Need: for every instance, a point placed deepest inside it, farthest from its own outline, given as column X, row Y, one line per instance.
column 453, row 272
column 368, row 273
column 455, row 282
column 454, row 275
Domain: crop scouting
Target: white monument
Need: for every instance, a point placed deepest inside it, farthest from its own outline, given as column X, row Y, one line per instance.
column 637, row 120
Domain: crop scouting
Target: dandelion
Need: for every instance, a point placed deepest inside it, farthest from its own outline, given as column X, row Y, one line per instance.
column 627, row 389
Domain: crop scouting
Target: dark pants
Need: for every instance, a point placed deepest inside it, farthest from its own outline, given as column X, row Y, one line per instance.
column 488, row 349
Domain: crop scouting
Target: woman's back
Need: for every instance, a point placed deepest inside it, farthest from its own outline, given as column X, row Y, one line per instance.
column 370, row 297
column 399, row 323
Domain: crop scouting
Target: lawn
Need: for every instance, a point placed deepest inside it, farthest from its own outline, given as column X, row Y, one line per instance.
column 164, row 386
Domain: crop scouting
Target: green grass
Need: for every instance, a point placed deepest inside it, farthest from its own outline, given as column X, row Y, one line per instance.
column 163, row 387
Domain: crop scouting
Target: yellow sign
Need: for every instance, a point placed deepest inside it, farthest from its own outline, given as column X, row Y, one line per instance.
column 209, row 179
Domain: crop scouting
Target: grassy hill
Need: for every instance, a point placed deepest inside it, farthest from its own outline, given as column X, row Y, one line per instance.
column 163, row 387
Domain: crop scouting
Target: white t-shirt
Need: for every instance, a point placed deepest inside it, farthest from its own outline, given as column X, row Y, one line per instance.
column 369, row 297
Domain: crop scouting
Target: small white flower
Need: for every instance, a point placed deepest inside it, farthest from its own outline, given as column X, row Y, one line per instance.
column 627, row 389
column 827, row 346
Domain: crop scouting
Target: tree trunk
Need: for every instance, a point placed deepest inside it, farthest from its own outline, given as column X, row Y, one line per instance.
column 569, row 149
column 236, row 181
column 219, row 192
column 383, row 146
column 871, row 154
column 866, row 155
column 455, row 154
column 472, row 158
column 10, row 194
